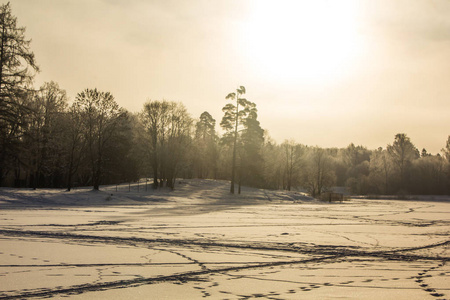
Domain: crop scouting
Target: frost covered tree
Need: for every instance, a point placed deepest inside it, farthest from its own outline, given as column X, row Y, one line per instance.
column 319, row 173
column 446, row 153
column 357, row 159
column 446, row 149
column 206, row 152
column 273, row 167
column 293, row 159
column 16, row 65
column 168, row 126
column 154, row 119
column 380, row 171
column 402, row 152
column 178, row 142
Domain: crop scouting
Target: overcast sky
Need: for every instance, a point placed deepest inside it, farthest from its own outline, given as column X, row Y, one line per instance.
column 321, row 72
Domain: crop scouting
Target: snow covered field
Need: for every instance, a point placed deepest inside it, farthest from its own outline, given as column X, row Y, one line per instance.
column 201, row 242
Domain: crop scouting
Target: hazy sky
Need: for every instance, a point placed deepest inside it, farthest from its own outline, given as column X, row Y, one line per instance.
column 324, row 73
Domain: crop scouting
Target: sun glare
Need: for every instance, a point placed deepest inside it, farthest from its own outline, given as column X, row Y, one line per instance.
column 313, row 41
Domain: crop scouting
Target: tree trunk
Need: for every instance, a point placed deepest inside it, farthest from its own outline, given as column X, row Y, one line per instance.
column 97, row 173
column 155, row 158
column 69, row 182
column 2, row 163
column 240, row 179
column 69, row 178
column 233, row 163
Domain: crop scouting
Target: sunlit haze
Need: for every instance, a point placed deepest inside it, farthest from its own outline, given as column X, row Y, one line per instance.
column 312, row 42
column 324, row 73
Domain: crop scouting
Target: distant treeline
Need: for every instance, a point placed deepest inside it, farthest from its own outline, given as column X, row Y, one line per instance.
column 47, row 142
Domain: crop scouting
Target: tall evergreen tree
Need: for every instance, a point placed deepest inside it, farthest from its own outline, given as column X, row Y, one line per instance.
column 206, row 156
column 232, row 119
column 250, row 155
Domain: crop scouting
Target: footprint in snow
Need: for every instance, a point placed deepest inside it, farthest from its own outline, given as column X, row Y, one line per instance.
column 437, row 294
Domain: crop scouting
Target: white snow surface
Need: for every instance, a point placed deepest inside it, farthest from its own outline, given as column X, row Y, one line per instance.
column 199, row 241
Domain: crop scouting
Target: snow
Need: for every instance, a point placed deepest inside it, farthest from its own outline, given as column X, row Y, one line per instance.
column 199, row 241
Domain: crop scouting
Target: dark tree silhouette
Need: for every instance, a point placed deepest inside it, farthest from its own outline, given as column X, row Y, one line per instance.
column 168, row 127
column 402, row 152
column 101, row 116
column 16, row 63
column 250, row 156
column 154, row 117
column 75, row 143
column 45, row 134
column 231, row 121
column 205, row 160
column 446, row 149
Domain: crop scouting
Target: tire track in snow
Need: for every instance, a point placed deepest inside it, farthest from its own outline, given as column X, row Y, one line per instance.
column 326, row 252
column 183, row 277
column 314, row 249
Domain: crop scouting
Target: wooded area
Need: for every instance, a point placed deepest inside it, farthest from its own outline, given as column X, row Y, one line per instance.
column 48, row 141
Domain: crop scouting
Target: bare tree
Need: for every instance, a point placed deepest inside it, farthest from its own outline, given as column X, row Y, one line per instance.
column 16, row 63
column 45, row 132
column 154, row 116
column 320, row 174
column 74, row 141
column 380, row 170
column 446, row 149
column 168, row 126
column 178, row 141
column 101, row 116
column 446, row 153
column 273, row 158
column 292, row 157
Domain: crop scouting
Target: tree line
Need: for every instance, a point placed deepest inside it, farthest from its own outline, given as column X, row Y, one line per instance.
column 48, row 141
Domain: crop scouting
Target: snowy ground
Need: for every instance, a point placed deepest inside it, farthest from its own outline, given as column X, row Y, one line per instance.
column 201, row 242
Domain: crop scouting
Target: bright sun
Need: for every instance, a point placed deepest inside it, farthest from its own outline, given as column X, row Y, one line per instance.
column 313, row 41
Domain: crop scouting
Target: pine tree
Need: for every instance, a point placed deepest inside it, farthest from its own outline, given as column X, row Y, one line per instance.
column 250, row 152
column 206, row 155
column 232, row 119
